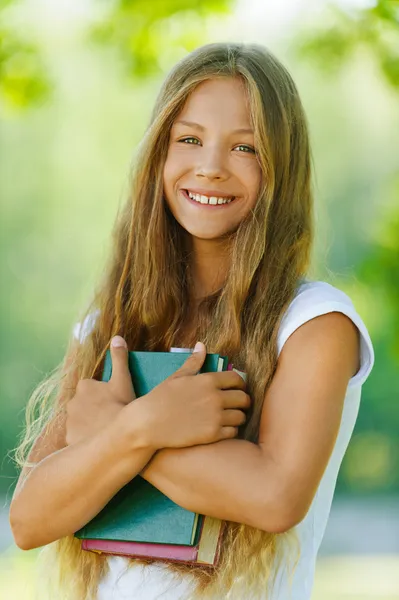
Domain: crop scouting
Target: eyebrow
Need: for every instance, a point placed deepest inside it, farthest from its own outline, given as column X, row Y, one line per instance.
column 198, row 126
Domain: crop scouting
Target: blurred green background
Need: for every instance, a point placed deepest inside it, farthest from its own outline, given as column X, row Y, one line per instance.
column 77, row 84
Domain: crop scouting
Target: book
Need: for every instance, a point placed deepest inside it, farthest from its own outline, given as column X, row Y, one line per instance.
column 140, row 512
column 206, row 552
column 140, row 520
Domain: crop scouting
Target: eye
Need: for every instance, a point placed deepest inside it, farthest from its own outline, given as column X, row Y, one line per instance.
column 247, row 148
column 188, row 138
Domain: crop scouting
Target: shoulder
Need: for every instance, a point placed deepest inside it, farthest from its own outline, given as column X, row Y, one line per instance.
column 315, row 293
column 316, row 298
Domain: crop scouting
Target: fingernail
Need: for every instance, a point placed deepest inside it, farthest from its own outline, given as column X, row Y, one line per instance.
column 118, row 340
column 197, row 347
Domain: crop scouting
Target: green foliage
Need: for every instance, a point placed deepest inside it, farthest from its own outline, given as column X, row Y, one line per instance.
column 145, row 33
column 148, row 37
column 386, row 10
column 23, row 75
column 330, row 47
column 376, row 29
column 381, row 268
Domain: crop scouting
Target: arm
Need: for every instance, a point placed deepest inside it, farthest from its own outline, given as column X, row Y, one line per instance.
column 230, row 479
column 74, row 483
column 270, row 485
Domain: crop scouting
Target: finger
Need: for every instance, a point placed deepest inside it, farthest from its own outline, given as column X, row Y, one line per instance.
column 235, row 399
column 193, row 363
column 229, row 432
column 233, row 417
column 225, row 380
column 121, row 379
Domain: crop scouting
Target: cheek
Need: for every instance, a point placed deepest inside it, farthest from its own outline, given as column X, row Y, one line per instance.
column 252, row 176
column 172, row 170
column 171, row 178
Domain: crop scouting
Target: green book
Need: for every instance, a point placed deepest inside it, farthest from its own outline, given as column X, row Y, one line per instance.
column 139, row 512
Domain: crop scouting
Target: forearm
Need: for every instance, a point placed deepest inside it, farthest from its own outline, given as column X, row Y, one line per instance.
column 69, row 487
column 231, row 480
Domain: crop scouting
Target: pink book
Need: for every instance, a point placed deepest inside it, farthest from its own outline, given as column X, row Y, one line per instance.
column 161, row 551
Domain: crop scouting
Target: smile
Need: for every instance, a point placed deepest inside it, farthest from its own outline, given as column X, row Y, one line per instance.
column 205, row 202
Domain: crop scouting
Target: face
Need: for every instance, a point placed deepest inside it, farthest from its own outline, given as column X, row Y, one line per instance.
column 211, row 160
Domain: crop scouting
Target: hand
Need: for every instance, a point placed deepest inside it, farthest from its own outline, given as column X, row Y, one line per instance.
column 96, row 403
column 188, row 408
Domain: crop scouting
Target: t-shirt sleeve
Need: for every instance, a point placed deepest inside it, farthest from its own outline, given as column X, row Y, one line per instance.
column 318, row 298
column 82, row 330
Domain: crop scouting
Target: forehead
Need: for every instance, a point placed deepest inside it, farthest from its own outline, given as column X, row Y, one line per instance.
column 220, row 100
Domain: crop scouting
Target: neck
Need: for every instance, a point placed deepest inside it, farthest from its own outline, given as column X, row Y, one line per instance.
column 210, row 261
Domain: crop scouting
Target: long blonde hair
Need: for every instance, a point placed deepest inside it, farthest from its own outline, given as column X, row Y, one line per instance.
column 142, row 293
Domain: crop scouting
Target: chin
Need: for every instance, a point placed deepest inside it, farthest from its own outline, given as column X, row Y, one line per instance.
column 206, row 234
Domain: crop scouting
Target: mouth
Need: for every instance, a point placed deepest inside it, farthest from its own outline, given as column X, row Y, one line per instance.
column 207, row 204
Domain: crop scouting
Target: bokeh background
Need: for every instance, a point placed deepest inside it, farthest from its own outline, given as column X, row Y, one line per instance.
column 78, row 79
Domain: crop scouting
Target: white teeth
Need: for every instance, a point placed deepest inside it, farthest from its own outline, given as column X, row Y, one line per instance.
column 205, row 200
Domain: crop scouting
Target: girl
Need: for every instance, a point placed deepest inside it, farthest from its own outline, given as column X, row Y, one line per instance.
column 213, row 244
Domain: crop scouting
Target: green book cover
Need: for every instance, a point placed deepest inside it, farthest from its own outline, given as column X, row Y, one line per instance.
column 139, row 512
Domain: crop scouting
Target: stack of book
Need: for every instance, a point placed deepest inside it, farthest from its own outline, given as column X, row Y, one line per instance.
column 140, row 520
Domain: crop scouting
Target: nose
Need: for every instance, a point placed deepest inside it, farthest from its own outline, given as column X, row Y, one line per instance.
column 211, row 163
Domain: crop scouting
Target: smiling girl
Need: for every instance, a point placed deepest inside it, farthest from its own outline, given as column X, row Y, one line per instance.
column 213, row 245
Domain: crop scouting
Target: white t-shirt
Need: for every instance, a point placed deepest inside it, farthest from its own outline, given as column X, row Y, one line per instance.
column 313, row 298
